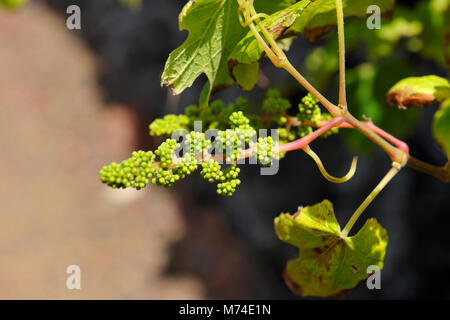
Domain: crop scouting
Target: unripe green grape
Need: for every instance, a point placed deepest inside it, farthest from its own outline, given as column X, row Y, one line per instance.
column 184, row 169
column 335, row 130
column 241, row 125
column 309, row 110
column 241, row 104
column 231, row 172
column 231, row 143
column 228, row 188
column 166, row 126
column 229, row 176
column 279, row 119
column 166, row 152
column 166, row 178
column 286, row 135
column 264, row 150
column 238, row 120
column 211, row 171
column 133, row 172
column 303, row 131
column 195, row 147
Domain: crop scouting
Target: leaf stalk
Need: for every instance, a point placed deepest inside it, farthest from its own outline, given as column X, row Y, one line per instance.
column 387, row 178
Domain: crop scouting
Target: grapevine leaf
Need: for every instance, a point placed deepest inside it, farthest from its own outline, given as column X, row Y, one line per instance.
column 441, row 126
column 329, row 264
column 418, row 91
column 312, row 19
column 246, row 75
column 214, row 30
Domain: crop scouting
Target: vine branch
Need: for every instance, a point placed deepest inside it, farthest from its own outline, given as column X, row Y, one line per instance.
column 341, row 39
column 280, row 60
column 397, row 150
column 442, row 173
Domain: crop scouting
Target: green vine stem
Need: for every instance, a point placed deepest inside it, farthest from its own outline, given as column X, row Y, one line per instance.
column 341, row 39
column 324, row 172
column 278, row 57
column 387, row 178
column 442, row 173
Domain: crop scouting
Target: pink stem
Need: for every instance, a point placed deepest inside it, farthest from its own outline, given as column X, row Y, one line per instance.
column 396, row 142
column 303, row 142
column 327, row 125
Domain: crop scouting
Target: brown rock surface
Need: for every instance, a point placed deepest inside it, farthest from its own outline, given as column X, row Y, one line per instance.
column 56, row 133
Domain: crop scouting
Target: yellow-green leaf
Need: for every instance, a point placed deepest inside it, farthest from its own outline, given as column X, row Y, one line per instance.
column 418, row 91
column 214, row 30
column 329, row 264
column 441, row 126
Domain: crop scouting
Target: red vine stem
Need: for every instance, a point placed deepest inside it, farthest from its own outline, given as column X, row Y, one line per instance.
column 395, row 141
column 303, row 142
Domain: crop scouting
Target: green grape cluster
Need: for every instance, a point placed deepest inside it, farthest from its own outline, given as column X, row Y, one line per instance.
column 265, row 151
column 286, row 135
column 274, row 103
column 280, row 119
column 303, row 130
column 211, row 171
column 173, row 168
column 310, row 115
column 166, row 126
column 241, row 125
column 238, row 120
column 232, row 142
column 309, row 111
column 216, row 115
column 166, row 177
column 134, row 172
column 240, row 105
column 229, row 176
column 196, row 146
column 141, row 167
column 166, row 152
column 236, row 133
